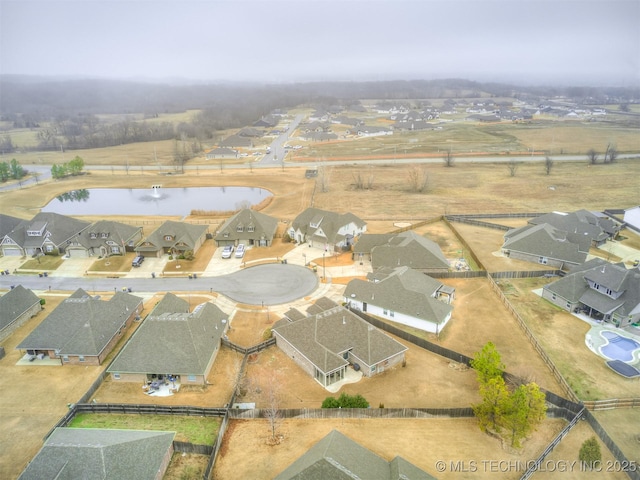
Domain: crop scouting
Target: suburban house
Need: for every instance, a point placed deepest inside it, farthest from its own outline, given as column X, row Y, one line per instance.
column 326, row 342
column 249, row 227
column 401, row 249
column 602, row 290
column 173, row 238
column 596, row 226
column 16, row 307
column 105, row 238
column 46, row 233
column 93, row 453
column 632, row 218
column 83, row 329
column 251, row 132
column 403, row 295
column 337, row 456
column 546, row 245
column 172, row 343
column 330, row 230
column 268, row 121
column 7, row 223
column 221, row 152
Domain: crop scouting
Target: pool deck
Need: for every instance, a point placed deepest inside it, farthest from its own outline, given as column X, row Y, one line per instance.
column 594, row 340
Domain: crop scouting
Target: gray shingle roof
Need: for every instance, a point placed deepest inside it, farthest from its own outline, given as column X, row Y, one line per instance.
column 401, row 249
column 14, row 303
column 178, row 343
column 81, row 324
column 404, row 291
column 329, row 222
column 596, row 227
column 117, row 232
column 545, row 240
column 323, row 337
column 7, row 224
column 338, row 457
column 58, row 229
column 180, row 233
column 255, row 226
column 97, row 454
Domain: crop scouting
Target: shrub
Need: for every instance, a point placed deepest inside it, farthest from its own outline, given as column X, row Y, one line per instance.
column 43, row 301
column 590, row 454
column 345, row 401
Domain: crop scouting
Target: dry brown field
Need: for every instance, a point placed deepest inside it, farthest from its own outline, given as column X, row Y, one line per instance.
column 623, row 426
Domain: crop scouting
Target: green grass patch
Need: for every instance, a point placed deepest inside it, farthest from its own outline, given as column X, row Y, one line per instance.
column 44, row 262
column 197, row 430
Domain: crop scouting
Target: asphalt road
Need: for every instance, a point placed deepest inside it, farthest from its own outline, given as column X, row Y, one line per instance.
column 271, row 284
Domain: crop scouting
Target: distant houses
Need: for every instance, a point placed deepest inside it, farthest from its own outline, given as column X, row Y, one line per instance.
column 331, row 338
column 82, row 329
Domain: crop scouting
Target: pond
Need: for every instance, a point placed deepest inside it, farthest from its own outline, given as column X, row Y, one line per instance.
column 155, row 200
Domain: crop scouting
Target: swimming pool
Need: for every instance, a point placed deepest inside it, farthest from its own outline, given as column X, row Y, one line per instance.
column 618, row 347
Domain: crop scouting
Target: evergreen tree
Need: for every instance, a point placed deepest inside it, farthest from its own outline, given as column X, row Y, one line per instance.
column 590, row 454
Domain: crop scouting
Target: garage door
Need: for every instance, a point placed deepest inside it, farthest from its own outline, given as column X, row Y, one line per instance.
column 12, row 252
column 77, row 253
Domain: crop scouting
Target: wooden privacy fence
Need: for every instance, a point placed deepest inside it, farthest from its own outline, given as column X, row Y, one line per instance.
column 248, row 350
column 324, row 413
column 186, row 447
column 149, row 409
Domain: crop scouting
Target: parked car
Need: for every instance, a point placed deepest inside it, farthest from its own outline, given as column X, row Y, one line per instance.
column 240, row 251
column 137, row 261
column 227, row 251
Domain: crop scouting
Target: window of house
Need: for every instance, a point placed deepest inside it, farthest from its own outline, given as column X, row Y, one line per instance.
column 251, row 228
column 553, row 296
column 81, row 358
column 596, row 286
column 168, row 238
column 115, row 250
column 384, row 311
column 609, row 292
column 226, row 235
column 392, row 313
column 191, row 378
column 568, row 305
column 104, row 235
column 116, row 376
column 93, row 235
column 65, row 358
column 49, row 248
column 543, row 260
column 239, row 228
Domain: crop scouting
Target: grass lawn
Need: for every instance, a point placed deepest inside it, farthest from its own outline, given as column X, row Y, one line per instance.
column 197, row 430
column 45, row 262
column 115, row 263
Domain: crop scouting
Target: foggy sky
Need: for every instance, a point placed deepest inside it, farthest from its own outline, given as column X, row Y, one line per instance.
column 585, row 42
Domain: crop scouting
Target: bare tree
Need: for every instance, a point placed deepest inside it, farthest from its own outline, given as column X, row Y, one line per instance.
column 237, row 376
column 272, row 411
column 513, row 167
column 362, row 181
column 611, row 154
column 324, row 179
column 592, row 155
column 418, row 179
column 548, row 165
column 448, row 159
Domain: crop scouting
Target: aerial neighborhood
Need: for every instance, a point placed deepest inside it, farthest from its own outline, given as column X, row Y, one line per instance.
column 267, row 316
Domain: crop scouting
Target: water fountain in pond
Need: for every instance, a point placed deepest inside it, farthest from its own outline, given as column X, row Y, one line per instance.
column 155, row 194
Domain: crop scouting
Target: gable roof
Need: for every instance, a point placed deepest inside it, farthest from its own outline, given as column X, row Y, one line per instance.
column 338, row 457
column 403, row 290
column 7, row 224
column 236, row 141
column 56, row 228
column 264, row 226
column 82, row 324
column 117, row 232
column 597, row 227
column 181, row 233
column 322, row 338
column 626, row 282
column 547, row 241
column 181, row 343
column 401, row 249
column 313, row 219
column 100, row 454
column 14, row 303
